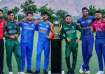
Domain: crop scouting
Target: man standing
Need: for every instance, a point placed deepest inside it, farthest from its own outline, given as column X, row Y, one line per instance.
column 27, row 37
column 12, row 32
column 87, row 39
column 69, row 32
column 44, row 30
column 99, row 28
column 2, row 24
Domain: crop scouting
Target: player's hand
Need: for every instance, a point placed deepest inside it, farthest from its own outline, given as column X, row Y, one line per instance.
column 17, row 35
column 77, row 40
column 68, row 39
column 12, row 37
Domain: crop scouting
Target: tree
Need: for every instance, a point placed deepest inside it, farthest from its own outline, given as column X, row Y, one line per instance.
column 61, row 14
column 29, row 6
column 92, row 10
column 48, row 10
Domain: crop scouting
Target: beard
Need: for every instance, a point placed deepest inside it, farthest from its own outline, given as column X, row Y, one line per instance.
column 1, row 18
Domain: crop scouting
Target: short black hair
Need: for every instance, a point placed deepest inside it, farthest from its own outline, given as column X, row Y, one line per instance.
column 10, row 12
column 67, row 16
column 98, row 11
column 29, row 13
column 85, row 8
column 44, row 13
column 1, row 10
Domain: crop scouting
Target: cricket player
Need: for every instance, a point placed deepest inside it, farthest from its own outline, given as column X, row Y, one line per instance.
column 27, row 37
column 69, row 33
column 99, row 28
column 87, row 37
column 44, row 34
column 2, row 25
column 12, row 45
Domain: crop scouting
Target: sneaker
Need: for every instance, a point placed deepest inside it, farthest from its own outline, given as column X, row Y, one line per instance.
column 10, row 72
column 37, row 72
column 21, row 73
column 45, row 72
column 100, row 72
column 72, row 72
column 81, row 70
column 29, row 71
column 87, row 72
column 68, row 72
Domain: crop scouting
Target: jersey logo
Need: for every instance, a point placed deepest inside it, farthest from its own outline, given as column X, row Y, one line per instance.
column 89, row 21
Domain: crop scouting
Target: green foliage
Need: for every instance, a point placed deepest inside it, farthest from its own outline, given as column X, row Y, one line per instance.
column 29, row 6
column 92, row 10
column 61, row 14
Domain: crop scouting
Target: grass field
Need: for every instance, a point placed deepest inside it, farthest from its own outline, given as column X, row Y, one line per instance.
column 93, row 62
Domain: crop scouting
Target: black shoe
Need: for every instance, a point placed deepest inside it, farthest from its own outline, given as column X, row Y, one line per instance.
column 72, row 72
column 1, row 72
column 69, row 72
column 37, row 72
column 45, row 72
column 29, row 71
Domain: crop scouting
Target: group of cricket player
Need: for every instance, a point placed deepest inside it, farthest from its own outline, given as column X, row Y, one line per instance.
column 10, row 30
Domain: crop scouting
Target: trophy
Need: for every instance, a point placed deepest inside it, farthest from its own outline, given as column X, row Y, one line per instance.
column 57, row 26
column 56, row 46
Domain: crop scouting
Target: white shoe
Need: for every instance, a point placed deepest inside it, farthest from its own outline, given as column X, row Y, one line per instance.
column 10, row 72
column 87, row 72
column 21, row 73
column 81, row 70
column 100, row 72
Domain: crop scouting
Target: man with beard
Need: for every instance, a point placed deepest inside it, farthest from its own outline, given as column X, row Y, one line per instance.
column 99, row 28
column 2, row 24
column 45, row 32
column 87, row 39
column 69, row 33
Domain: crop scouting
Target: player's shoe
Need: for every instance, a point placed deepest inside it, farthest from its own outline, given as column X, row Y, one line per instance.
column 100, row 72
column 87, row 72
column 21, row 73
column 10, row 72
column 81, row 70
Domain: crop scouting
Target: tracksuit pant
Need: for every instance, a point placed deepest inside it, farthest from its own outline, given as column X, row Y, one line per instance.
column 1, row 55
column 87, row 48
column 13, row 46
column 43, row 44
column 26, row 55
column 100, row 51
column 71, row 47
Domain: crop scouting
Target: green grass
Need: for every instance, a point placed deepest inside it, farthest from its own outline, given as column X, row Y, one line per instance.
column 93, row 62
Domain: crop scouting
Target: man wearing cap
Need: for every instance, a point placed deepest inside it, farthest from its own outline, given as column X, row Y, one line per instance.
column 87, row 37
column 44, row 35
column 27, row 37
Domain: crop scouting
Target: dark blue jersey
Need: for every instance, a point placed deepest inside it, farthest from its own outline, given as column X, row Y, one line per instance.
column 85, row 24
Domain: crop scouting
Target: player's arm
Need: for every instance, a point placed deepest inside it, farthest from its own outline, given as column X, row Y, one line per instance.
column 52, row 31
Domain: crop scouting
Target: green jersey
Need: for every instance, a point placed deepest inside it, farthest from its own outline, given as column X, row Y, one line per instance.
column 11, row 28
column 69, row 31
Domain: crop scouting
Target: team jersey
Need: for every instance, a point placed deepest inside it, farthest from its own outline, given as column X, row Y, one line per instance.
column 2, row 25
column 27, row 31
column 69, row 31
column 44, row 29
column 85, row 24
column 11, row 28
column 99, row 28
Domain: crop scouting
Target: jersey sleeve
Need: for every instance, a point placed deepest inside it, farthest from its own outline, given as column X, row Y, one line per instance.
column 6, row 31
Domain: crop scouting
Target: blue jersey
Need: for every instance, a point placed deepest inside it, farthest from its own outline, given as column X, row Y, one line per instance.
column 44, row 29
column 27, row 31
column 85, row 24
